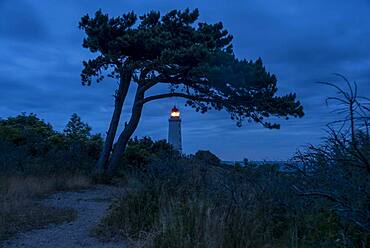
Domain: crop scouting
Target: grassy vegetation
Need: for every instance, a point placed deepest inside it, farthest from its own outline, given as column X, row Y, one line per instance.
column 19, row 210
column 192, row 202
column 36, row 161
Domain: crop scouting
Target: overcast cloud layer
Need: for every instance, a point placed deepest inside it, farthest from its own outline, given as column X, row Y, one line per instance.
column 300, row 41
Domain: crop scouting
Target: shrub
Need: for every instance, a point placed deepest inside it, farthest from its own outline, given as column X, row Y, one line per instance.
column 140, row 152
column 187, row 203
column 27, row 131
column 29, row 146
column 207, row 157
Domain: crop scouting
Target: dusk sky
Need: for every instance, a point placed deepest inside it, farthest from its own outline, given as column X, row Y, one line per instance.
column 301, row 42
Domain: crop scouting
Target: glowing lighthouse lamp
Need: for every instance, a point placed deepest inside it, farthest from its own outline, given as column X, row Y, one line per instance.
column 174, row 129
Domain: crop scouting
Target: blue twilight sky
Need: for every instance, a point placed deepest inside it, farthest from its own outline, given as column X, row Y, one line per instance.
column 300, row 41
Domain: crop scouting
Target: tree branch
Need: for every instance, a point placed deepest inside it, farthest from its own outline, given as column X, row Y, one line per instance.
column 175, row 94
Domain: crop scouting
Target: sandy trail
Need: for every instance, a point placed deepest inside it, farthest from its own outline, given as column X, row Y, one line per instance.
column 91, row 206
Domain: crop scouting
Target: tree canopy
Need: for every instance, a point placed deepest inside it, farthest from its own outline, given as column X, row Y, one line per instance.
column 195, row 59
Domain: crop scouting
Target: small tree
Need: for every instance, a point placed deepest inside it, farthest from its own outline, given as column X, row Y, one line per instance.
column 338, row 171
column 76, row 129
column 195, row 60
column 81, row 146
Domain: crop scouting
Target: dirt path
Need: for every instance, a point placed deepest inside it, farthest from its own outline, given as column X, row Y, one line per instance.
column 91, row 205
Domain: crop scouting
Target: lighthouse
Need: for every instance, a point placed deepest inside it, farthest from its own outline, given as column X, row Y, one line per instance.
column 174, row 129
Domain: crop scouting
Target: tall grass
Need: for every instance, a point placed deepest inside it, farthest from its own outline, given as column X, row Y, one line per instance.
column 35, row 161
column 19, row 208
column 190, row 204
column 186, row 203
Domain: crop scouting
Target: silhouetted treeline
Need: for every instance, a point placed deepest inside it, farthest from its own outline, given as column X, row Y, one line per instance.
column 29, row 145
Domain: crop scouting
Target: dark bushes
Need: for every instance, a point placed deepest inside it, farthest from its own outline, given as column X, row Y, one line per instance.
column 140, row 152
column 336, row 177
column 29, row 146
column 196, row 201
column 35, row 161
column 189, row 203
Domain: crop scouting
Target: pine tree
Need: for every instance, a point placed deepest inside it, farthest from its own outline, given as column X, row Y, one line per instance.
column 196, row 60
column 76, row 129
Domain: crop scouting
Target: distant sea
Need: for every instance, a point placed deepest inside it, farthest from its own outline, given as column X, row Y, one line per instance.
column 282, row 164
column 257, row 162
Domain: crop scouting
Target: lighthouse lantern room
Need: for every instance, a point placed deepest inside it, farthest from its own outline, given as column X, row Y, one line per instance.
column 174, row 129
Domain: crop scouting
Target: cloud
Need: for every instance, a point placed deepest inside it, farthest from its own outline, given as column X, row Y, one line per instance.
column 20, row 22
column 301, row 42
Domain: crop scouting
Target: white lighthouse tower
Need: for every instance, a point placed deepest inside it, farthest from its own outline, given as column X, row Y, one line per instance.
column 174, row 129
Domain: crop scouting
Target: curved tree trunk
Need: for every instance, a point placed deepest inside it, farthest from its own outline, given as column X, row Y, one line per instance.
column 129, row 129
column 102, row 164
